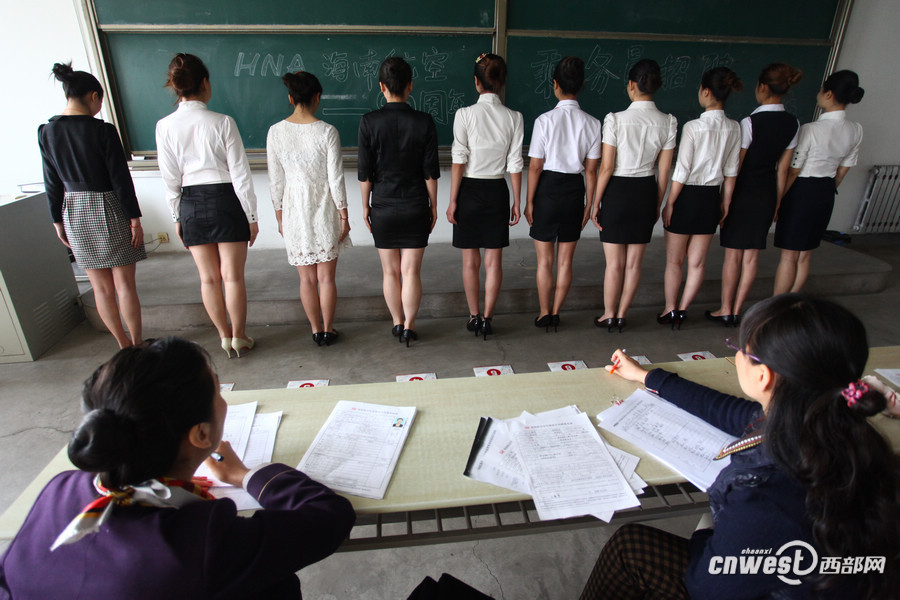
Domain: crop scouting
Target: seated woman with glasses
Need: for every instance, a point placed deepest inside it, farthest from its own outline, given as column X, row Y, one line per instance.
column 809, row 470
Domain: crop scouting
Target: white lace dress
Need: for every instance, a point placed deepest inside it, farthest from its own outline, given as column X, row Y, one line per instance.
column 306, row 181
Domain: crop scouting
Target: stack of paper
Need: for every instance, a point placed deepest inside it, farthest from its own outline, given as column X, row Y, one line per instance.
column 560, row 459
column 252, row 437
column 686, row 443
column 357, row 449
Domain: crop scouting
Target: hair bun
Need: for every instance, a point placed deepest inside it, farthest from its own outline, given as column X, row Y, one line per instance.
column 857, row 95
column 102, row 441
column 734, row 82
column 795, row 76
column 62, row 72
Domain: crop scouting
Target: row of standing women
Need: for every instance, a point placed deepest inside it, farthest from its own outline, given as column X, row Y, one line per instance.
column 727, row 174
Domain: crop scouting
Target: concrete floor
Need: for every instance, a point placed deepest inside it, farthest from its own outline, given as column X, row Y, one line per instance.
column 39, row 407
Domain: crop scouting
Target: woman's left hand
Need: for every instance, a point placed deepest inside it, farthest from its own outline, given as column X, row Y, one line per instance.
column 254, row 231
column 137, row 233
column 345, row 230
column 514, row 216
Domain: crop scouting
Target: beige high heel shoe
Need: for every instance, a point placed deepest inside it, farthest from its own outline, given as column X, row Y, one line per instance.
column 241, row 345
column 226, row 346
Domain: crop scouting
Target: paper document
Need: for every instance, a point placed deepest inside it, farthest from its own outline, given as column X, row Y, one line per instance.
column 570, row 469
column 892, row 375
column 238, row 423
column 673, row 436
column 357, row 448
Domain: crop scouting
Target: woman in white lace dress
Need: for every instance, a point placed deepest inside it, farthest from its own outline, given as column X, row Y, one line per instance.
column 306, row 178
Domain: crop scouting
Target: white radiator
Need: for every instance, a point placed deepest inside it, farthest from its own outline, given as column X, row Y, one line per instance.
column 879, row 209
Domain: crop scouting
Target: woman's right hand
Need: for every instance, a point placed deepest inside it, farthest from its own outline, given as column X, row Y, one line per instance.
column 451, row 213
column 529, row 214
column 61, row 234
column 595, row 218
column 626, row 367
column 366, row 219
column 230, row 470
column 178, row 233
column 667, row 213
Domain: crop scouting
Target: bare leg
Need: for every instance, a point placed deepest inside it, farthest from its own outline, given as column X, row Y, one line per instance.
column 206, row 257
column 327, row 292
column 471, row 273
column 544, row 276
column 493, row 278
column 309, row 296
column 749, row 266
column 634, row 258
column 802, row 270
column 411, row 269
column 676, row 250
column 565, row 252
column 613, row 277
column 129, row 303
column 786, row 274
column 731, row 273
column 233, row 257
column 105, row 295
column 698, row 248
column 391, row 284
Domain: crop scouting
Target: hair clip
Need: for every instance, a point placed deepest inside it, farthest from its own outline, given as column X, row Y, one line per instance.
column 853, row 392
column 481, row 57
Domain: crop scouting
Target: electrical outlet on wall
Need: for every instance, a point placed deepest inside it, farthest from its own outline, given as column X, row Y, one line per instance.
column 163, row 238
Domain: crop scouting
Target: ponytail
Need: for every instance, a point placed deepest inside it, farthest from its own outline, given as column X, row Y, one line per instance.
column 721, row 81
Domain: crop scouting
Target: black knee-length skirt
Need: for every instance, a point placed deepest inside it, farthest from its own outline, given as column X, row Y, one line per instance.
column 212, row 214
column 482, row 214
column 628, row 210
column 400, row 222
column 558, row 207
column 804, row 213
column 697, row 211
column 750, row 214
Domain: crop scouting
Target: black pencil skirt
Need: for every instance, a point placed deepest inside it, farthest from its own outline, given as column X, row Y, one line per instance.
column 482, row 214
column 750, row 216
column 697, row 211
column 804, row 213
column 628, row 210
column 400, row 222
column 558, row 207
column 212, row 214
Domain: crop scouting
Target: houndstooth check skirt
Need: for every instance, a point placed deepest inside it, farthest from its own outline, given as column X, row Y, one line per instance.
column 98, row 232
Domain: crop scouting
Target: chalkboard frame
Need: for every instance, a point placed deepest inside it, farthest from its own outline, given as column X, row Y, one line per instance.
column 94, row 34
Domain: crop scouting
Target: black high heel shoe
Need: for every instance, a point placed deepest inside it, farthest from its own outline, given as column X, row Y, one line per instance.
column 408, row 334
column 554, row 322
column 318, row 337
column 485, row 329
column 474, row 324
column 621, row 323
column 329, row 337
column 544, row 322
column 397, row 330
column 725, row 320
column 666, row 319
column 682, row 317
column 608, row 323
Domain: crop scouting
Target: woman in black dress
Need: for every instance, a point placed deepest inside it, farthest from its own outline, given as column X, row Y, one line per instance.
column 768, row 137
column 92, row 201
column 398, row 169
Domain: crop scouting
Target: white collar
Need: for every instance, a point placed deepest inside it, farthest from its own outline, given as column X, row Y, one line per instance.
column 643, row 104
column 567, row 104
column 768, row 108
column 834, row 115
column 191, row 104
column 712, row 115
column 489, row 98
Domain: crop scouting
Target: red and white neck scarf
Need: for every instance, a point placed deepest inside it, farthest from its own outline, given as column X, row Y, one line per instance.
column 162, row 493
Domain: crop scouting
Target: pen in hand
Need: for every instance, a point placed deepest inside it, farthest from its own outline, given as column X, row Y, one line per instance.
column 216, row 456
column 617, row 363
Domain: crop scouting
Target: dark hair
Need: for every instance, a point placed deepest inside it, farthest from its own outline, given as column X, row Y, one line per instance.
column 852, row 477
column 76, row 84
column 396, row 74
column 186, row 75
column 569, row 75
column 646, row 74
column 302, row 87
column 139, row 406
column 845, row 87
column 720, row 81
column 490, row 70
column 780, row 77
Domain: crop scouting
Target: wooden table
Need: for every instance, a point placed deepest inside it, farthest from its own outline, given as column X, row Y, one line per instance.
column 428, row 485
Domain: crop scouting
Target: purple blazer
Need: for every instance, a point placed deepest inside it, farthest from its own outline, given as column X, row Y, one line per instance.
column 202, row 550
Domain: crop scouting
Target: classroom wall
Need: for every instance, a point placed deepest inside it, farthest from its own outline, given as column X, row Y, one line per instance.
column 44, row 31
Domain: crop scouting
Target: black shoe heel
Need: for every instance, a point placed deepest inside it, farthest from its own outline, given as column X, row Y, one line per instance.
column 407, row 335
column 682, row 317
column 621, row 323
column 318, row 337
column 474, row 324
column 544, row 322
column 328, row 337
column 486, row 329
column 724, row 320
column 397, row 330
column 554, row 323
column 608, row 323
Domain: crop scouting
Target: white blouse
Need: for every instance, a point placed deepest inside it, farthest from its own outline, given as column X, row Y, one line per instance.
column 747, row 125
column 709, row 151
column 639, row 134
column 827, row 144
column 564, row 137
column 487, row 138
column 196, row 146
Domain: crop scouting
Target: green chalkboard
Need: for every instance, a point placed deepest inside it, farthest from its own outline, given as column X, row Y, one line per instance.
column 794, row 19
column 531, row 63
column 245, row 73
column 459, row 13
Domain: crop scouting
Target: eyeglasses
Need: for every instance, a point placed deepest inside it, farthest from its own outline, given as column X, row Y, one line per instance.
column 745, row 353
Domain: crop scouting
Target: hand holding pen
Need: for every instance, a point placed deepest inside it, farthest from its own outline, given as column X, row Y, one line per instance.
column 626, row 367
column 225, row 465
